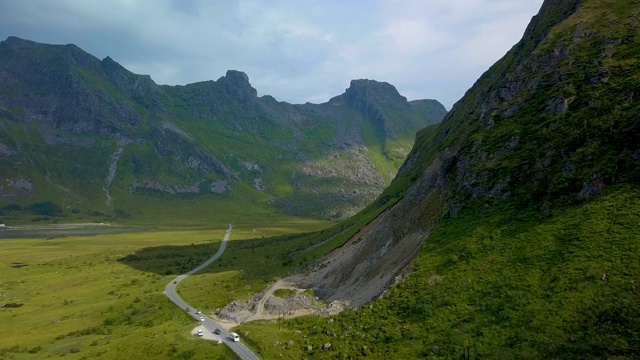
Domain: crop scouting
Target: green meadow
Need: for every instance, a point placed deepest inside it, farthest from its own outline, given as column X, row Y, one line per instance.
column 100, row 297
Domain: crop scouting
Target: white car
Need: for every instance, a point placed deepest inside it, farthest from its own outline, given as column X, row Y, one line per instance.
column 200, row 332
column 234, row 337
column 201, row 318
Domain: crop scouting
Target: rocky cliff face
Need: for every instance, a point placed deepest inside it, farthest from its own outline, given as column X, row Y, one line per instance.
column 549, row 125
column 100, row 137
column 55, row 85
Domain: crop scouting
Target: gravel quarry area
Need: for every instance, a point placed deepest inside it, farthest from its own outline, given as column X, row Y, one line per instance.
column 266, row 306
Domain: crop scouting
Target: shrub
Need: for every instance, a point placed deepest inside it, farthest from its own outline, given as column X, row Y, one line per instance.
column 46, row 208
column 569, row 92
column 12, row 207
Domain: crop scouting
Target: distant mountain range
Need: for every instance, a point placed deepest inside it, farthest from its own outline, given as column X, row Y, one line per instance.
column 85, row 137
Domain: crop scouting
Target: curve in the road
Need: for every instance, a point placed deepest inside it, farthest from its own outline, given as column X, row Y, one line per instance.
column 240, row 349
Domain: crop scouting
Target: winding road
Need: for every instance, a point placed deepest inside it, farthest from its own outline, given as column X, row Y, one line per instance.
column 242, row 351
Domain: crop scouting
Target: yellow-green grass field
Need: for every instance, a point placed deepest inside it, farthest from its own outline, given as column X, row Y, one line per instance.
column 85, row 298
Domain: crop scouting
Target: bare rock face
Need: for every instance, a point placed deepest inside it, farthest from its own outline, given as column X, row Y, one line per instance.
column 366, row 265
column 237, row 84
column 171, row 189
column 5, row 150
column 220, row 187
column 16, row 189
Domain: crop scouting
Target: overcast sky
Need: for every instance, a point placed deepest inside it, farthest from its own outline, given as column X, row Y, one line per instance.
column 294, row 50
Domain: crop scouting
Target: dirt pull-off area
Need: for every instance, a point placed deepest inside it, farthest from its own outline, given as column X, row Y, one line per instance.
column 266, row 306
column 206, row 334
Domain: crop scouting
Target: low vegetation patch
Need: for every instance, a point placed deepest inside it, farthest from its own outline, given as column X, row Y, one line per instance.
column 11, row 305
column 284, row 293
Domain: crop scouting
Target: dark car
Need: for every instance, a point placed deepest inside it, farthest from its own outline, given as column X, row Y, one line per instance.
column 216, row 331
column 188, row 309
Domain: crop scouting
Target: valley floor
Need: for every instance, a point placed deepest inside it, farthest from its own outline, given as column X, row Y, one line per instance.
column 83, row 296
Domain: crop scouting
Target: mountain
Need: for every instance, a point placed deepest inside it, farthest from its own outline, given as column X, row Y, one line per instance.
column 511, row 230
column 85, row 137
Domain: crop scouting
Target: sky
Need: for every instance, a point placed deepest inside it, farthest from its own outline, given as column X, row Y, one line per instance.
column 295, row 50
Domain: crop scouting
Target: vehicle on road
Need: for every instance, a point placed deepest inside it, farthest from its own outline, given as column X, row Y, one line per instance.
column 175, row 281
column 216, row 331
column 170, row 290
column 234, row 337
column 198, row 312
column 200, row 332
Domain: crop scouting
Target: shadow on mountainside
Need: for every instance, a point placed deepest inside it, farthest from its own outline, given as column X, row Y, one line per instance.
column 256, row 258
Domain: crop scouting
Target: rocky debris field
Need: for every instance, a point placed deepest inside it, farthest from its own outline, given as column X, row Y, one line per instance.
column 266, row 305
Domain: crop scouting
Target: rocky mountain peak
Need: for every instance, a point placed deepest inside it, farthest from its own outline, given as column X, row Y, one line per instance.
column 109, row 62
column 551, row 13
column 15, row 42
column 24, row 56
column 238, row 77
column 378, row 102
column 361, row 89
column 113, row 69
column 238, row 82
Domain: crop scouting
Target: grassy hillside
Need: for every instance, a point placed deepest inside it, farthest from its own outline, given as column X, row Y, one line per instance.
column 532, row 180
column 498, row 284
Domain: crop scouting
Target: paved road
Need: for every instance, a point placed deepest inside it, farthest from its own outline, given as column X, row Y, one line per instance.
column 242, row 351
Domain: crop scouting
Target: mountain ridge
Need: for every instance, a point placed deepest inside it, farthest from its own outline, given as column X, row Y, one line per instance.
column 323, row 160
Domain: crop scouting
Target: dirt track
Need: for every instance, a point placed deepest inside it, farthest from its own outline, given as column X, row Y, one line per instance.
column 260, row 314
column 256, row 309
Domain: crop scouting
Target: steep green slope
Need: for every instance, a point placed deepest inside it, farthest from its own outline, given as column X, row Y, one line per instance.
column 499, row 283
column 94, row 138
column 519, row 210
